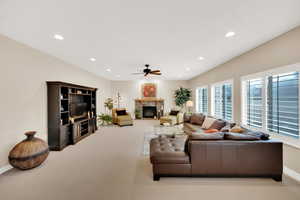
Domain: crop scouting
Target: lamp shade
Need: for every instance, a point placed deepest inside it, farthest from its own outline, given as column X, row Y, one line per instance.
column 189, row 103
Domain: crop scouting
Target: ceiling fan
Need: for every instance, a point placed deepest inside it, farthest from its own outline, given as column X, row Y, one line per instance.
column 148, row 71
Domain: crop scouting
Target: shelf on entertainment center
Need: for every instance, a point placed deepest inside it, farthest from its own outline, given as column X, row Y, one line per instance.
column 80, row 94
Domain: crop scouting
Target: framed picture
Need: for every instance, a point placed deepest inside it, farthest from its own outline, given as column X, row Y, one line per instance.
column 149, row 90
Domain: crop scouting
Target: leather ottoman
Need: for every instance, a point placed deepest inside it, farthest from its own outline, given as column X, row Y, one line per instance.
column 168, row 156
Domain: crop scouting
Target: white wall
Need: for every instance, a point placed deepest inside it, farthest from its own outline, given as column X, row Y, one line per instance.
column 131, row 90
column 23, row 75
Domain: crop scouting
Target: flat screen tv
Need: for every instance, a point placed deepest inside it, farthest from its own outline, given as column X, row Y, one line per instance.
column 78, row 109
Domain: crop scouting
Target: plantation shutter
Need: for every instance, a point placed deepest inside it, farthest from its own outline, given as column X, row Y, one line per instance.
column 283, row 104
column 254, row 103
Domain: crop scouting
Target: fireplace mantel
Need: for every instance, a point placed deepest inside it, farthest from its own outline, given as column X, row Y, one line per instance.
column 149, row 100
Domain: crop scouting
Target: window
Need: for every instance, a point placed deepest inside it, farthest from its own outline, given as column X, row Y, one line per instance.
column 222, row 101
column 253, row 109
column 283, row 104
column 202, row 100
column 271, row 101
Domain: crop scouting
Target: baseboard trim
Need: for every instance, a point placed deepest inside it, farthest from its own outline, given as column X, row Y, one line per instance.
column 287, row 171
column 291, row 173
column 5, row 168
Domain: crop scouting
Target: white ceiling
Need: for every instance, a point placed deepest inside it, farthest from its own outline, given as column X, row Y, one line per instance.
column 123, row 35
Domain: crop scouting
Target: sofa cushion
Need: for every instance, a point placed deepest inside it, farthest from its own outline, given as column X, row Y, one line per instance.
column 218, row 124
column 208, row 122
column 187, row 117
column 239, row 136
column 197, row 118
column 261, row 135
column 192, row 127
column 207, row 136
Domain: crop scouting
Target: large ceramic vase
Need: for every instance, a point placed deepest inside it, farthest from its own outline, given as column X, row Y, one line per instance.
column 29, row 153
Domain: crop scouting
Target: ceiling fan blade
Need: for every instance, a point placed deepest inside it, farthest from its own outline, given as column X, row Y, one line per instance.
column 155, row 71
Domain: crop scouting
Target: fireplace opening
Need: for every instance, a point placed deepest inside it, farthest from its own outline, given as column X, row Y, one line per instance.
column 149, row 112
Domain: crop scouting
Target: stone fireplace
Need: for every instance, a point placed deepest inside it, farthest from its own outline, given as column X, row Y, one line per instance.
column 150, row 107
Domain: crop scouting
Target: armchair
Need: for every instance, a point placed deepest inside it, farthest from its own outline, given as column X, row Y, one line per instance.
column 174, row 117
column 121, row 117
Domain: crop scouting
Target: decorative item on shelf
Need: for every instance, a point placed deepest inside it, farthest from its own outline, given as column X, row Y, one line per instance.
column 61, row 96
column 89, row 114
column 29, row 153
column 79, row 92
column 71, row 120
column 61, row 122
column 182, row 95
column 189, row 105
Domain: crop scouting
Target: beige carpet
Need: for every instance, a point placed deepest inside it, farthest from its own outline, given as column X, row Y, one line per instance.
column 109, row 165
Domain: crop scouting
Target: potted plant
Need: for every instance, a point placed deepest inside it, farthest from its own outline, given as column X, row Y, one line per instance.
column 138, row 113
column 104, row 119
column 182, row 95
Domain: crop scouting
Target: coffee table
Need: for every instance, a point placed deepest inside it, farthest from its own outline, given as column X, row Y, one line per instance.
column 169, row 130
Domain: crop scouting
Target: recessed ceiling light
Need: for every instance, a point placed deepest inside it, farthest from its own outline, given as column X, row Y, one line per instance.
column 108, row 70
column 188, row 69
column 230, row 34
column 93, row 59
column 200, row 58
column 58, row 37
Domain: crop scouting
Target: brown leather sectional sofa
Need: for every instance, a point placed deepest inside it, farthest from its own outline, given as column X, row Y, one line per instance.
column 221, row 154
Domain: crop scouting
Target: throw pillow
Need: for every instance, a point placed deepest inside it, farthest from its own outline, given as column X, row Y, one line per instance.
column 197, row 118
column 237, row 129
column 121, row 112
column 174, row 112
column 208, row 122
column 226, row 128
column 211, row 131
column 218, row 124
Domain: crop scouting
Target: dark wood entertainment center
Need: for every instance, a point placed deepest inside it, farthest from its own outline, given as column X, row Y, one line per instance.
column 71, row 113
